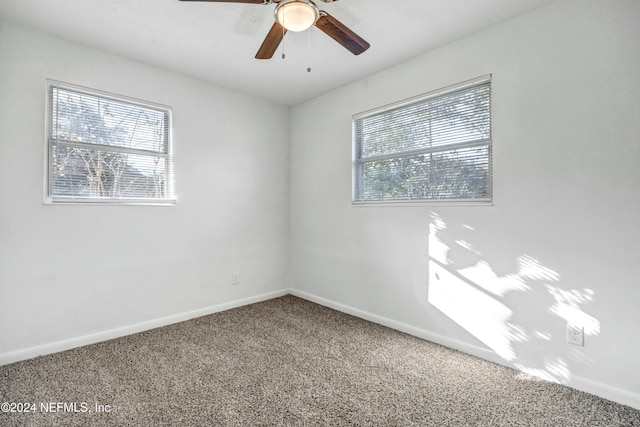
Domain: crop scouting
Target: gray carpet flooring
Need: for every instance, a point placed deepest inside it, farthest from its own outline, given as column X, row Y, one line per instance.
column 287, row 362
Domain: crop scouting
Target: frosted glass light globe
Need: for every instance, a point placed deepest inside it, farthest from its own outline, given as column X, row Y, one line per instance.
column 296, row 15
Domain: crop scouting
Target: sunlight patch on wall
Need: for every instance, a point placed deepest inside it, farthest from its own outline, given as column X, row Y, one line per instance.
column 545, row 336
column 474, row 310
column 483, row 276
column 467, row 246
column 473, row 295
column 556, row 371
column 437, row 249
column 567, row 306
column 531, row 268
column 467, row 288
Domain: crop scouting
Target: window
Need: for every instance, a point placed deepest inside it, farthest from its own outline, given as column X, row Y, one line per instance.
column 106, row 148
column 431, row 148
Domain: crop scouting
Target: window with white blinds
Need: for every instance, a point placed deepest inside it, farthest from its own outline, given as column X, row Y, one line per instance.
column 431, row 148
column 103, row 148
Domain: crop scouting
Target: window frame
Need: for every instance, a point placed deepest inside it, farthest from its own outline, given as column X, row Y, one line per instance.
column 357, row 162
column 167, row 155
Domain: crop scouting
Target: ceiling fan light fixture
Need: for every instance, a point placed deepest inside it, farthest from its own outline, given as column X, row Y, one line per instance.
column 296, row 15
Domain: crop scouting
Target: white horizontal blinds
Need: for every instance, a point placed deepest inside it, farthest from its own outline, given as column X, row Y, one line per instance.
column 107, row 148
column 436, row 147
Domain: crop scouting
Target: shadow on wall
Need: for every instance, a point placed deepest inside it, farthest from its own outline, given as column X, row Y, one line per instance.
column 512, row 313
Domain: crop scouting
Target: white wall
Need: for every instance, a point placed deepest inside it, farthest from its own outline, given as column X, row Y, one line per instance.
column 501, row 282
column 560, row 242
column 76, row 274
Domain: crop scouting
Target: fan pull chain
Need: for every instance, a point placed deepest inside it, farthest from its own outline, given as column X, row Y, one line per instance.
column 283, row 33
column 309, row 49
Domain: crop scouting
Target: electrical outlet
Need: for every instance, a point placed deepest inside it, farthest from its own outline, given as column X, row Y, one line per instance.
column 235, row 278
column 575, row 335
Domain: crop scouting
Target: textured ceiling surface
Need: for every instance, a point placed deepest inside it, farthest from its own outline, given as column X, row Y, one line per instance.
column 217, row 42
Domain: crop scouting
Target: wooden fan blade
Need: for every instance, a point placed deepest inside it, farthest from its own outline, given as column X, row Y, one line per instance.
column 340, row 33
column 231, row 1
column 271, row 42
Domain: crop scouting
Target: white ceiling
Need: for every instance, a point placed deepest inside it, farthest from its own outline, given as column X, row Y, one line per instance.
column 218, row 41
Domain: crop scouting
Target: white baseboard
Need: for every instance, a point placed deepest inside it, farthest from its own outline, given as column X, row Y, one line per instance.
column 605, row 391
column 55, row 347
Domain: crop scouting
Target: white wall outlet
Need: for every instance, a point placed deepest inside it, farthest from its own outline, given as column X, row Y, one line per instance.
column 575, row 335
column 235, row 278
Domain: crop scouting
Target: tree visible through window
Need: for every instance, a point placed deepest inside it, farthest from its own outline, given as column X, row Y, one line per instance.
column 435, row 147
column 103, row 148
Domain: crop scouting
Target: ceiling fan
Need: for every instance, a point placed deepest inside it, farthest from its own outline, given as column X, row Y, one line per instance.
column 298, row 15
